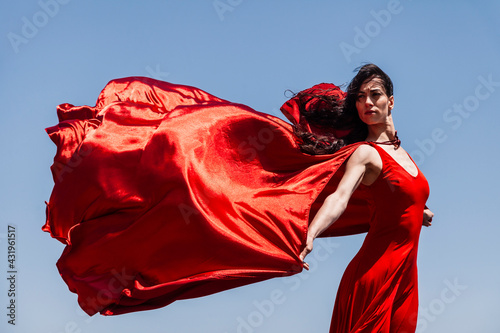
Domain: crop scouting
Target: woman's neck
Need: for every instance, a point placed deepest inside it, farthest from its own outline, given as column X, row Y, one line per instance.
column 381, row 132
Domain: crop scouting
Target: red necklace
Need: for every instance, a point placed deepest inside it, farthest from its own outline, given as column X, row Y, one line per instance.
column 396, row 142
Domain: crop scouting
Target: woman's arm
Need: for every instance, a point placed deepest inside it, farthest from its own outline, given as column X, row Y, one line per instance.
column 359, row 167
column 428, row 215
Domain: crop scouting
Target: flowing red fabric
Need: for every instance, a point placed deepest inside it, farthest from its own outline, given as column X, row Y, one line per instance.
column 164, row 192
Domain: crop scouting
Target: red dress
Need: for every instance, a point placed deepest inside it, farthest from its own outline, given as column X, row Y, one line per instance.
column 164, row 192
column 378, row 292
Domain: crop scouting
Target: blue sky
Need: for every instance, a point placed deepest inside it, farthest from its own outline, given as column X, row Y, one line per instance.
column 443, row 59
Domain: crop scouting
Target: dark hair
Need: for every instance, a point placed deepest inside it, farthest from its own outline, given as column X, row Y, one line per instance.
column 325, row 118
column 343, row 115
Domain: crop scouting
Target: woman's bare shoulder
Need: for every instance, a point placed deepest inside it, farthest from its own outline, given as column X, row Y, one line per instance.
column 365, row 153
column 366, row 156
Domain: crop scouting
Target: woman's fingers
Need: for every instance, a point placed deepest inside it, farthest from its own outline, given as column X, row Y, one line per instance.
column 307, row 249
column 428, row 215
column 302, row 256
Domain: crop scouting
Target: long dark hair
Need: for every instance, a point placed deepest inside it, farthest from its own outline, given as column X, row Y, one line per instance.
column 325, row 117
column 340, row 115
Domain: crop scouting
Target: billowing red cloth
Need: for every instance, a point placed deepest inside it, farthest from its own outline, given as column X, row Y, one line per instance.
column 164, row 192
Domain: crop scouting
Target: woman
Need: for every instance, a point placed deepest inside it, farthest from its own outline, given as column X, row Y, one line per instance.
column 378, row 292
column 164, row 192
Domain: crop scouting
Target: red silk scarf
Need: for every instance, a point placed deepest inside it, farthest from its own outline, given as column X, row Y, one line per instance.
column 164, row 192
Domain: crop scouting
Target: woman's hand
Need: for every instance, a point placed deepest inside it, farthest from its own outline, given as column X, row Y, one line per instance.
column 428, row 215
column 306, row 251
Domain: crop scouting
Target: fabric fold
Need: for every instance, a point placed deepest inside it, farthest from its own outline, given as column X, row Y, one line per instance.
column 164, row 192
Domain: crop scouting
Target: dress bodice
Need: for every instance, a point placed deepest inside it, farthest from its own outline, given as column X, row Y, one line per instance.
column 399, row 198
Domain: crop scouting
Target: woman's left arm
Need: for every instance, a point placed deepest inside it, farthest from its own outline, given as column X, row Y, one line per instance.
column 428, row 215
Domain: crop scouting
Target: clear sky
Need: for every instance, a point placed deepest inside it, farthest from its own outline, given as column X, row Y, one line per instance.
column 443, row 57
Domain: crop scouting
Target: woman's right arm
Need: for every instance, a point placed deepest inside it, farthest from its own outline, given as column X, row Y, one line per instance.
column 360, row 167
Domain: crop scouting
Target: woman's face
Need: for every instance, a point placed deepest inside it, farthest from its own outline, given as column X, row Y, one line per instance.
column 372, row 103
